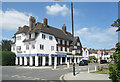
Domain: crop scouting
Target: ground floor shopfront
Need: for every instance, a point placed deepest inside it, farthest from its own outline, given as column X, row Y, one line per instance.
column 45, row 59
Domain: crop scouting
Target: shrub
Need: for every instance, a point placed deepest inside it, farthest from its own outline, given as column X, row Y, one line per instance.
column 114, row 68
column 100, row 68
column 93, row 57
column 90, row 61
column 8, row 58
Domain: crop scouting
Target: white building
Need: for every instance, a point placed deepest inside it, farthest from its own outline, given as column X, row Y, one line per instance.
column 85, row 53
column 40, row 44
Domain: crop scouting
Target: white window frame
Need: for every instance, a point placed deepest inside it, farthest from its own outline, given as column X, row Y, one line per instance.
column 75, row 47
column 63, row 41
column 59, row 48
column 78, row 44
column 18, row 48
column 18, row 38
column 27, row 36
column 67, row 42
column 33, row 35
column 51, row 38
column 41, row 47
column 27, row 47
column 52, row 48
column 33, row 46
column 58, row 41
column 43, row 36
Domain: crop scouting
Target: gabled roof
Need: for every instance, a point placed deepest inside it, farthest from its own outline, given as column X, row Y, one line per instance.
column 40, row 27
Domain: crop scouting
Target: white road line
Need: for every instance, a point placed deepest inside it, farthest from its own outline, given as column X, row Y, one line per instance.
column 36, row 79
column 15, row 76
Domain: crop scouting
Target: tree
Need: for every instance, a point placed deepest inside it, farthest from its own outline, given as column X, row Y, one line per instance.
column 8, row 58
column 114, row 68
column 6, row 45
column 116, row 23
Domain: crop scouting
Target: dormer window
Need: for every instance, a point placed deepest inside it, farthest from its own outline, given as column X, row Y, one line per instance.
column 33, row 35
column 43, row 36
column 50, row 38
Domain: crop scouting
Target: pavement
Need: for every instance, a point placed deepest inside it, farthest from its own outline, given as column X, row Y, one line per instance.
column 85, row 76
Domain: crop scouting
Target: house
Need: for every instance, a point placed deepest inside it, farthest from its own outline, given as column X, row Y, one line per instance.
column 85, row 54
column 40, row 44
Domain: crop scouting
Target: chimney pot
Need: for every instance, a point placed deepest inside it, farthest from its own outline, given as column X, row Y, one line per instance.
column 45, row 21
column 32, row 22
column 64, row 28
column 19, row 28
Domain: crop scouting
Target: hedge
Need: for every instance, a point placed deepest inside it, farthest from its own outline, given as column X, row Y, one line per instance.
column 8, row 58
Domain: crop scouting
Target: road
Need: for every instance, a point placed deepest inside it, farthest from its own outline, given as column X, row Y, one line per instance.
column 36, row 73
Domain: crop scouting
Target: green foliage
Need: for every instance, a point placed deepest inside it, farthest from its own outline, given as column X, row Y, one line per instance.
column 93, row 57
column 116, row 23
column 8, row 58
column 6, row 45
column 100, row 68
column 111, row 56
column 90, row 61
column 114, row 68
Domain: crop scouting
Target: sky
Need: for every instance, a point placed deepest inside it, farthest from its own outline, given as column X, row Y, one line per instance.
column 92, row 20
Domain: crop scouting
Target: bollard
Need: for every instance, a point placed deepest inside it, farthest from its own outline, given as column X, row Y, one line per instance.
column 68, row 64
column 95, row 68
column 54, row 65
column 88, row 70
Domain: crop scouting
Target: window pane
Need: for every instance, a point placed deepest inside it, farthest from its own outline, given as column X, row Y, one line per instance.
column 50, row 38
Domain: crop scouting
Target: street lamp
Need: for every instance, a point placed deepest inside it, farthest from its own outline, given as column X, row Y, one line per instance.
column 73, row 52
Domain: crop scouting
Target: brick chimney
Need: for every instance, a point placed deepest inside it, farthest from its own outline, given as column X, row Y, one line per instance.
column 19, row 28
column 64, row 28
column 32, row 22
column 45, row 21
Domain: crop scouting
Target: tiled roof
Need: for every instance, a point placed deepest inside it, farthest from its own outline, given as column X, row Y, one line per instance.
column 40, row 27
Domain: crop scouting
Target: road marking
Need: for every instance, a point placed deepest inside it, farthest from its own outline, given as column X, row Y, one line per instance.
column 15, row 76
column 36, row 79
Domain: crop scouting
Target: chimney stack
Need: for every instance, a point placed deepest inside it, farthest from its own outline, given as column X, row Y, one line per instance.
column 19, row 28
column 45, row 21
column 31, row 22
column 64, row 28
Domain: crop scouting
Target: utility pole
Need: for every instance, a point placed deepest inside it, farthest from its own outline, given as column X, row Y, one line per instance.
column 73, row 36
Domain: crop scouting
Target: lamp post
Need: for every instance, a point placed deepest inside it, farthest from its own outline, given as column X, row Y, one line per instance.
column 73, row 37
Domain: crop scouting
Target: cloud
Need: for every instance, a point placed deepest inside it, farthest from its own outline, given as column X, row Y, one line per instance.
column 57, row 9
column 12, row 19
column 98, row 37
column 111, row 31
column 83, row 31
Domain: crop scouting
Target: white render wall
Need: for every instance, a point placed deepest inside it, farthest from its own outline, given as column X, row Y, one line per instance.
column 47, row 44
column 85, row 53
column 19, row 43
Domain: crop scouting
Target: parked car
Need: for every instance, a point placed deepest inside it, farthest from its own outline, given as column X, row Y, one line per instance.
column 83, row 62
column 103, row 61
